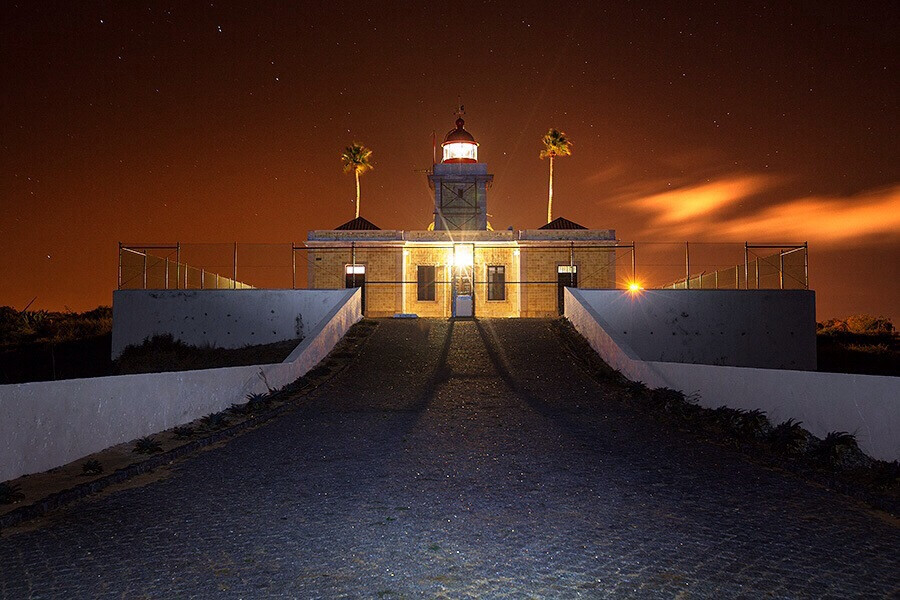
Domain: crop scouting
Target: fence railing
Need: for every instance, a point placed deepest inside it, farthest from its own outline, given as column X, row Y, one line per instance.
column 160, row 267
column 788, row 268
column 673, row 265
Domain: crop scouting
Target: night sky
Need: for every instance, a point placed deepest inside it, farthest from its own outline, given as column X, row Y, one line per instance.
column 214, row 122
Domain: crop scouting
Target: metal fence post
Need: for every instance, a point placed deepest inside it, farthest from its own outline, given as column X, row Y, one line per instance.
column 166, row 279
column 145, row 270
column 119, row 285
column 781, row 269
column 234, row 269
column 178, row 264
column 687, row 266
column 293, row 267
column 757, row 271
column 806, row 264
column 746, row 267
column 633, row 263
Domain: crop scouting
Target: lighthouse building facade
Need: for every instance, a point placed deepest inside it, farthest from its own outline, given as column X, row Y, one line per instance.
column 459, row 266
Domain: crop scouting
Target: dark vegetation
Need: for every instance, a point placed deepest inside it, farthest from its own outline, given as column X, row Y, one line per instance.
column 164, row 353
column 859, row 344
column 9, row 493
column 44, row 346
column 835, row 461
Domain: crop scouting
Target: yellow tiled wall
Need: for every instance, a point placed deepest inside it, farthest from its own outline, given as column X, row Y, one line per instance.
column 537, row 291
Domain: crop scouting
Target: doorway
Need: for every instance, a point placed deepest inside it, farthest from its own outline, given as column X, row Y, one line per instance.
column 355, row 276
column 566, row 276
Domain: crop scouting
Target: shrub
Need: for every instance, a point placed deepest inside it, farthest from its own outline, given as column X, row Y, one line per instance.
column 869, row 324
column 91, row 467
column 789, row 437
column 886, row 475
column 832, row 450
column 752, row 424
column 183, row 431
column 146, row 445
column 739, row 423
column 9, row 493
column 214, row 421
column 255, row 403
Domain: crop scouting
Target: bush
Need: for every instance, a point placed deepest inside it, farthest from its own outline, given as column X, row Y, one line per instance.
column 214, row 421
column 9, row 493
column 146, row 445
column 92, row 467
column 183, row 431
column 789, row 437
column 858, row 324
column 833, row 450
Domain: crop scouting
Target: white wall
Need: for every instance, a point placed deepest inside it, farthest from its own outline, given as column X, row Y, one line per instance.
column 773, row 329
column 866, row 405
column 48, row 424
column 218, row 318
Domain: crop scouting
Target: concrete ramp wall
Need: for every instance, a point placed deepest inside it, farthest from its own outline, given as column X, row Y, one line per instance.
column 218, row 318
column 48, row 424
column 772, row 329
column 865, row 405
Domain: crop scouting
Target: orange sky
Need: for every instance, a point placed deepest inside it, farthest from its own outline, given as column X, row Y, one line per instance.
column 219, row 122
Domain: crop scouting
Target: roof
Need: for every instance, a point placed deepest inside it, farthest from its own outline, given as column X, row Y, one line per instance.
column 459, row 134
column 562, row 223
column 358, row 224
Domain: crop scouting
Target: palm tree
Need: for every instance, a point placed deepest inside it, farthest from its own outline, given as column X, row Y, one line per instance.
column 555, row 144
column 356, row 158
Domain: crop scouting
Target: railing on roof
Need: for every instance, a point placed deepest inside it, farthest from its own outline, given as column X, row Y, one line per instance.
column 672, row 265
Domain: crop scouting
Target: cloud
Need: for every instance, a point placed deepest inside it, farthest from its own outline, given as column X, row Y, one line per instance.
column 689, row 203
column 728, row 209
column 825, row 219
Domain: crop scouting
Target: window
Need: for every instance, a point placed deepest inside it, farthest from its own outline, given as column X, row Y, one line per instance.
column 425, row 283
column 496, row 278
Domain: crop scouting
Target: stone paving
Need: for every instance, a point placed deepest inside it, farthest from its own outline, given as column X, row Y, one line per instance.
column 460, row 460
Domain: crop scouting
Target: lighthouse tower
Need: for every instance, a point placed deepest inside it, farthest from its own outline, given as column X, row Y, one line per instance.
column 460, row 183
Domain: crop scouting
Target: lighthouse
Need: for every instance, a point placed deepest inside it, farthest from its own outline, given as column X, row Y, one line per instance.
column 460, row 183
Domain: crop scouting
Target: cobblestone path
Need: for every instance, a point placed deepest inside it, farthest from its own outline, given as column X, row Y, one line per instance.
column 460, row 460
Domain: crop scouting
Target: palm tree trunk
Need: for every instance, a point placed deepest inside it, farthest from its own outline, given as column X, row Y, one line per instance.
column 550, row 198
column 357, row 194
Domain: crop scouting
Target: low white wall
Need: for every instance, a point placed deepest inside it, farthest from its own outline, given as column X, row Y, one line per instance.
column 48, row 424
column 218, row 318
column 866, row 405
column 773, row 329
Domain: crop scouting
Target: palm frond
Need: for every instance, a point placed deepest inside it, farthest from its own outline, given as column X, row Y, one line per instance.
column 556, row 144
column 357, row 157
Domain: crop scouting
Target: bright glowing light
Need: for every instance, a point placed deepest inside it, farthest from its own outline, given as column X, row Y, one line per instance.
column 461, row 151
column 634, row 287
column 463, row 255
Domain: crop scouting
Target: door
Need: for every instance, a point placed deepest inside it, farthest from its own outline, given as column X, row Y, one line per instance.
column 566, row 276
column 356, row 277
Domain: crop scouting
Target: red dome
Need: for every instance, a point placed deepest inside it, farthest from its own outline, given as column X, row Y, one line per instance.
column 459, row 134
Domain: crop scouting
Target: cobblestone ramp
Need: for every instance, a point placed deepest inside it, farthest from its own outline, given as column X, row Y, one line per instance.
column 460, row 460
